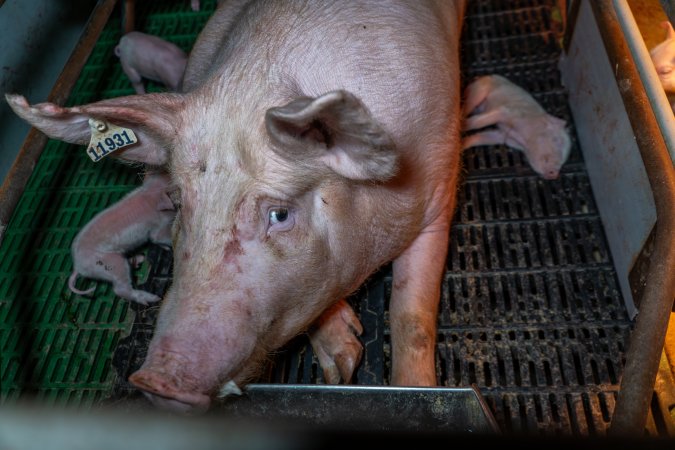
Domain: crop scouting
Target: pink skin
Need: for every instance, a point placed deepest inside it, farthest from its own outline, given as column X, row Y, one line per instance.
column 146, row 56
column 521, row 123
column 99, row 250
column 339, row 153
column 335, row 343
column 663, row 57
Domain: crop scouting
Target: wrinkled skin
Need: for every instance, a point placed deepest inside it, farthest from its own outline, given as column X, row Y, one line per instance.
column 663, row 57
column 314, row 142
column 146, row 56
column 100, row 249
column 515, row 119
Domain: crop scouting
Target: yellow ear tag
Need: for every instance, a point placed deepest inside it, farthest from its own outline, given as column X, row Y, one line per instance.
column 106, row 138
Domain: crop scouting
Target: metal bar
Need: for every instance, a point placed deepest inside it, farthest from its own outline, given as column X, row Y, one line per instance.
column 129, row 15
column 365, row 408
column 14, row 184
column 650, row 79
column 647, row 338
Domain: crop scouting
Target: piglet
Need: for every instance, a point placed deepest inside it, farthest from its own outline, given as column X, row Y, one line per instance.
column 100, row 249
column 663, row 57
column 517, row 120
column 146, row 56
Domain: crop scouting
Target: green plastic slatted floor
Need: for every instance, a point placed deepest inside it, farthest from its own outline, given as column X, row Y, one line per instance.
column 55, row 346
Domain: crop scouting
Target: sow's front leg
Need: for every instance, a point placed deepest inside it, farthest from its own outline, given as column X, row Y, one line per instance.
column 417, row 277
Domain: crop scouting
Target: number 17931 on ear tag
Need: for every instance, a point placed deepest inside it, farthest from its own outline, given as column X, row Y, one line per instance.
column 107, row 138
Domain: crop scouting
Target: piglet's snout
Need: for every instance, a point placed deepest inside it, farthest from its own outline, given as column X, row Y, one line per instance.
column 551, row 174
column 549, row 166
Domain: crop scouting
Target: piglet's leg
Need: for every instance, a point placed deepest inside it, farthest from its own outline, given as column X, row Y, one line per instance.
column 115, row 269
column 475, row 94
column 486, row 119
column 333, row 338
column 487, row 137
column 413, row 309
column 134, row 76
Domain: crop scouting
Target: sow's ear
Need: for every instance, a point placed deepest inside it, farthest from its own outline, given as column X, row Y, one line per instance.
column 336, row 129
column 151, row 117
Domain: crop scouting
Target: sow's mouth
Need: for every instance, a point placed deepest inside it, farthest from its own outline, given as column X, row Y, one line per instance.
column 164, row 393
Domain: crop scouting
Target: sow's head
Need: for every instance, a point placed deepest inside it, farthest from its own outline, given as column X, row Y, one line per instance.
column 267, row 233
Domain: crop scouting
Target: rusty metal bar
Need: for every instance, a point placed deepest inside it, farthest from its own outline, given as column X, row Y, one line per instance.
column 647, row 338
column 129, row 16
column 14, row 184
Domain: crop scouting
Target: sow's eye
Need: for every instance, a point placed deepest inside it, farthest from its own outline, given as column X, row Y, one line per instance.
column 279, row 218
column 278, row 215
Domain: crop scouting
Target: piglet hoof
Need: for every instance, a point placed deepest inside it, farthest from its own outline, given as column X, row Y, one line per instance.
column 136, row 260
column 135, row 295
column 145, row 298
column 335, row 343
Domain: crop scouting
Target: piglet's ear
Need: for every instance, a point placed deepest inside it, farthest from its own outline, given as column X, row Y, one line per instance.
column 336, row 129
column 670, row 33
column 152, row 117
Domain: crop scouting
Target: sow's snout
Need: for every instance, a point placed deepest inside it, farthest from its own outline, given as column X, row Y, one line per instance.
column 165, row 381
column 163, row 391
column 191, row 356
